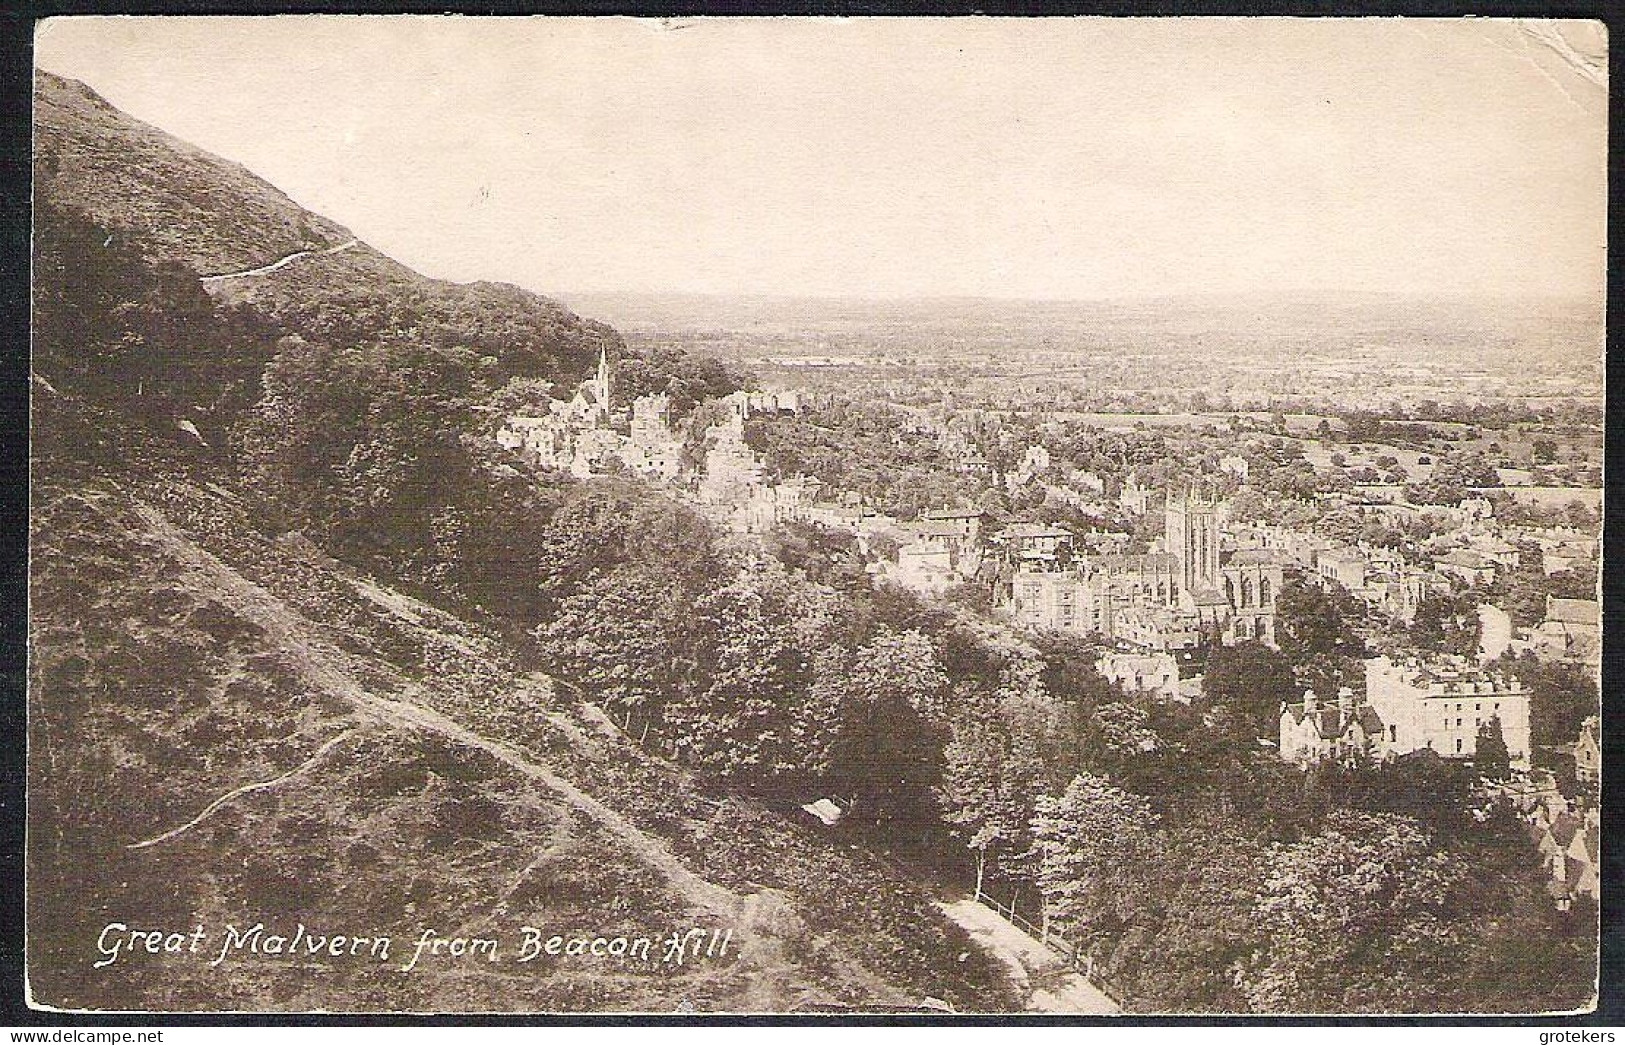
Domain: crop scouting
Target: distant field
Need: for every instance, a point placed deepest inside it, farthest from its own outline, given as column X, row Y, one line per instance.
column 1112, row 420
column 1320, row 454
column 1555, row 496
column 1362, row 351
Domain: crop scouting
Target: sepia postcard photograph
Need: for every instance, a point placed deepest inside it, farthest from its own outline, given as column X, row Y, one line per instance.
column 816, row 516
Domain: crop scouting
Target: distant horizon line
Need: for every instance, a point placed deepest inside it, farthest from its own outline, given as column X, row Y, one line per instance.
column 1598, row 296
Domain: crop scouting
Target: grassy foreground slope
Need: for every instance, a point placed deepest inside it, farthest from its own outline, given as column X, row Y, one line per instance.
column 415, row 776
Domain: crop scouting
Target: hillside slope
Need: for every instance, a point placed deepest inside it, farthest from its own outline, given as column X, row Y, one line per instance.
column 229, row 728
column 179, row 204
column 191, row 206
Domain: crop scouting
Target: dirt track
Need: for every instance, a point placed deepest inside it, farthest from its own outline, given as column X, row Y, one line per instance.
column 1054, row 987
column 278, row 263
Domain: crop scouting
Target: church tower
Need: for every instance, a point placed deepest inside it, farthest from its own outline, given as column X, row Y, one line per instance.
column 601, row 384
column 1191, row 534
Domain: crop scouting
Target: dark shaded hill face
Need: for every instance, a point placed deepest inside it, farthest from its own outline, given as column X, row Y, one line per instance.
column 175, row 203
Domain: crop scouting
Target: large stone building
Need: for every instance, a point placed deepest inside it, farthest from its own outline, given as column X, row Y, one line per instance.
column 1166, row 600
column 1031, row 542
column 1571, row 630
column 1252, row 581
column 1347, row 729
column 1062, row 600
column 732, row 471
column 1233, row 594
column 1191, row 534
column 1343, row 566
column 1441, row 705
column 1410, row 706
column 1150, row 579
column 941, row 548
column 967, row 522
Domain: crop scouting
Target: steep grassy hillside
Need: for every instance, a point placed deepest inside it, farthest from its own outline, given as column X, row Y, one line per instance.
column 228, row 727
column 179, row 204
column 190, row 206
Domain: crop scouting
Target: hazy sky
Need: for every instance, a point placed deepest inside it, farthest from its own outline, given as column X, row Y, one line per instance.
column 1067, row 158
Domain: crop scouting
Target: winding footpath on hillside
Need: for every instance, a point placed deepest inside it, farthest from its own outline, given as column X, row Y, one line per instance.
column 264, row 785
column 322, row 664
column 1049, row 984
column 757, row 918
column 279, row 263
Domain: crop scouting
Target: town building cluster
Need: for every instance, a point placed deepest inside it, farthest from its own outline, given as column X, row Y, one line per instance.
column 1190, row 587
column 1208, row 579
column 579, row 435
column 586, row 436
column 1389, row 584
column 1565, row 832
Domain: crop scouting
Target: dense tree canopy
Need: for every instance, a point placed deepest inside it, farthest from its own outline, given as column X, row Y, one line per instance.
column 1314, row 627
column 1251, row 681
column 1087, row 843
column 688, row 379
column 1561, row 697
column 1447, row 623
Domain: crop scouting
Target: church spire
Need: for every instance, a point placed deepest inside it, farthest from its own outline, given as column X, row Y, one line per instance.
column 603, row 372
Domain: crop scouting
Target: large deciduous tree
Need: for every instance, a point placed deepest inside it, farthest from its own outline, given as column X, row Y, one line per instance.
column 889, row 696
column 1447, row 623
column 1369, row 891
column 1088, row 844
column 747, row 714
column 1308, row 624
column 622, row 637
